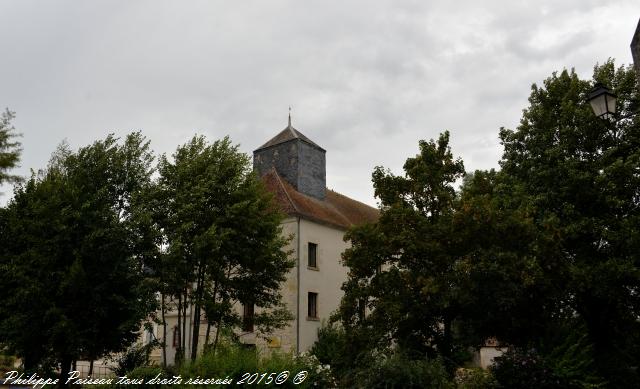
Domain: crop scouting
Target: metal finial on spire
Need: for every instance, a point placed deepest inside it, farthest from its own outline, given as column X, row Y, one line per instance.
column 289, row 116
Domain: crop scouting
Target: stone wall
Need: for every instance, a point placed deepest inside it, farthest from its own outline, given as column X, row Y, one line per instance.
column 301, row 164
column 284, row 157
column 312, row 175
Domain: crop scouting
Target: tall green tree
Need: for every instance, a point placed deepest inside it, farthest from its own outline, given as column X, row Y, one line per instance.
column 75, row 246
column 504, row 294
column 579, row 175
column 401, row 288
column 224, row 238
column 9, row 148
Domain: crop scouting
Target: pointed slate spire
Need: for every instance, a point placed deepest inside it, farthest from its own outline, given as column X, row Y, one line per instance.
column 286, row 135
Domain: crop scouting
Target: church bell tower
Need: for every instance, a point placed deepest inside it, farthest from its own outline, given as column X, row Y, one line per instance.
column 295, row 158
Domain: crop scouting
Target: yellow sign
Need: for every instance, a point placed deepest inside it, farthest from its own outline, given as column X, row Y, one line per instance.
column 274, row 342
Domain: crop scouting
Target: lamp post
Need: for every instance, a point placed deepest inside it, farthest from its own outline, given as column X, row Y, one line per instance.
column 603, row 101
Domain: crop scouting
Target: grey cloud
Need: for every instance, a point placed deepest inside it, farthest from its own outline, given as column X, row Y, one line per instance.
column 366, row 80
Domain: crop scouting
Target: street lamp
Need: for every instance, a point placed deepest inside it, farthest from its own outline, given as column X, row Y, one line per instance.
column 603, row 101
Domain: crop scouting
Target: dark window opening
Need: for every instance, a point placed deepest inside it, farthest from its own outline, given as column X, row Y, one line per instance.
column 247, row 318
column 313, row 255
column 313, row 305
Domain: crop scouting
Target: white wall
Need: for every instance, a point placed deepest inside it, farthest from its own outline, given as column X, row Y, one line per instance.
column 326, row 280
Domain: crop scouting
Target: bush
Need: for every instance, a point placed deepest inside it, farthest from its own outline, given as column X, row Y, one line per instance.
column 146, row 372
column 136, row 356
column 518, row 368
column 234, row 361
column 475, row 378
column 331, row 349
column 6, row 364
column 401, row 372
column 573, row 360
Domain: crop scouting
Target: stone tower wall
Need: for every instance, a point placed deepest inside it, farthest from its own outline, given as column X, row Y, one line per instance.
column 312, row 172
column 301, row 164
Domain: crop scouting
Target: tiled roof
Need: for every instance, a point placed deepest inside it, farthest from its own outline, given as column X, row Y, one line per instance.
column 336, row 210
column 286, row 135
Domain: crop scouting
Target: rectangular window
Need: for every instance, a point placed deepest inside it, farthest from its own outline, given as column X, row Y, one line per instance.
column 247, row 318
column 312, row 312
column 313, row 255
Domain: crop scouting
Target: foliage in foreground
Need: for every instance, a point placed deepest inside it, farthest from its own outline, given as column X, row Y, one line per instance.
column 224, row 241
column 74, row 242
column 6, row 363
column 234, row 361
column 399, row 371
column 527, row 368
column 136, row 356
column 543, row 251
column 353, row 369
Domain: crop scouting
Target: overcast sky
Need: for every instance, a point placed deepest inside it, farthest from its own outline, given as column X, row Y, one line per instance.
column 365, row 79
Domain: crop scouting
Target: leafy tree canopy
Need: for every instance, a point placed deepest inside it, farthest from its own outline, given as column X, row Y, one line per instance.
column 542, row 251
column 72, row 249
column 580, row 176
column 401, row 287
column 9, row 148
column 224, row 236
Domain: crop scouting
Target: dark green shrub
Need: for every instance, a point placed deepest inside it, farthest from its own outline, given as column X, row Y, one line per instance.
column 331, row 349
column 6, row 364
column 573, row 359
column 228, row 360
column 524, row 369
column 475, row 378
column 146, row 372
column 136, row 356
column 401, row 372
column 234, row 361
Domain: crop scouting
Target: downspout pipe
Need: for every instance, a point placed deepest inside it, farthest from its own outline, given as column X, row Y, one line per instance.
column 298, row 297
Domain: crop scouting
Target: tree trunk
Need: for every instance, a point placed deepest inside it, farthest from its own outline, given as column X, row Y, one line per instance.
column 27, row 364
column 206, row 339
column 91, row 367
column 164, row 333
column 178, row 358
column 447, row 345
column 196, row 315
column 218, row 325
column 210, row 319
column 215, row 340
column 65, row 367
column 183, row 338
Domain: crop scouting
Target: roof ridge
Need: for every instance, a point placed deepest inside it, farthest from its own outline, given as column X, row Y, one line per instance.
column 293, row 131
